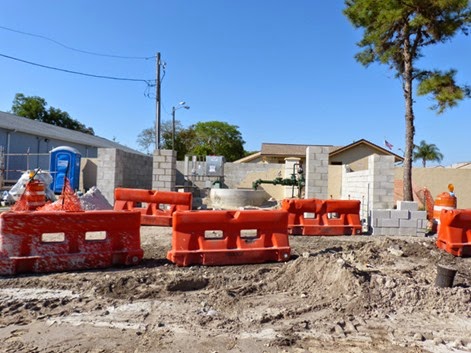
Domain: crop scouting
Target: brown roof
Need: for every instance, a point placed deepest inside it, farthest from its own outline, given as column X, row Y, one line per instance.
column 293, row 150
column 397, row 158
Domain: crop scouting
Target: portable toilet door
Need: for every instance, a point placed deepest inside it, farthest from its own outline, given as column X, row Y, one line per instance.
column 64, row 159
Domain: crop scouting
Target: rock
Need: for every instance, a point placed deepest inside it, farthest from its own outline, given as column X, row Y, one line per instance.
column 396, row 252
column 419, row 337
column 457, row 344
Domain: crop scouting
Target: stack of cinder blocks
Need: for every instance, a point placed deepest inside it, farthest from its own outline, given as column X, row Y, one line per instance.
column 164, row 170
column 405, row 220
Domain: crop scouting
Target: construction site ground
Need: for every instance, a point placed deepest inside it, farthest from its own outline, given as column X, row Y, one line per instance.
column 336, row 294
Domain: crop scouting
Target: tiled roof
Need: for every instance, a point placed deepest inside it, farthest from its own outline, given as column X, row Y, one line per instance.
column 37, row 128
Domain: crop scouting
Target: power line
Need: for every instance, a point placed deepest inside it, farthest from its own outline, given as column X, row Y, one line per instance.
column 148, row 82
column 75, row 49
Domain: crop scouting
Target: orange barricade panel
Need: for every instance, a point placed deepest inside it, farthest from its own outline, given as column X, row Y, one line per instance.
column 229, row 237
column 45, row 241
column 454, row 233
column 156, row 207
column 303, row 215
column 322, row 217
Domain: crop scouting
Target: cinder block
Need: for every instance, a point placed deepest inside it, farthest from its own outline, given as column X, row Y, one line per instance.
column 166, row 152
column 418, row 214
column 407, row 231
column 393, row 231
column 420, row 234
column 408, row 223
column 378, row 231
column 407, row 205
column 388, row 222
column 400, row 214
column 374, row 222
column 381, row 214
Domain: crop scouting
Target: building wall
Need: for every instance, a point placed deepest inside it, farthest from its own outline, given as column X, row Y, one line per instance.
column 20, row 144
column 356, row 158
column 334, row 188
column 437, row 180
column 116, row 168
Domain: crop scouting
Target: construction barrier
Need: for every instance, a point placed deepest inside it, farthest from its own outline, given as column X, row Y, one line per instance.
column 63, row 241
column 454, row 233
column 229, row 237
column 156, row 207
column 322, row 217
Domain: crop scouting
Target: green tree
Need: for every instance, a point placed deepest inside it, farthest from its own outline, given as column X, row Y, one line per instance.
column 203, row 138
column 395, row 32
column 427, row 152
column 218, row 138
column 34, row 108
column 184, row 138
column 146, row 139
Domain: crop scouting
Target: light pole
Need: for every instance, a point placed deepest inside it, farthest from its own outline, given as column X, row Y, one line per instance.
column 181, row 105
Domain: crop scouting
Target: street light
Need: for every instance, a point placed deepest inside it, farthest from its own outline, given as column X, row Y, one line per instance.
column 174, row 109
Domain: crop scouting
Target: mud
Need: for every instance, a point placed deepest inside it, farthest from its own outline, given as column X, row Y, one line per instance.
column 350, row 294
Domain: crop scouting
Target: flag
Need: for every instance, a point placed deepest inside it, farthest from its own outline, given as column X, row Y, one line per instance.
column 388, row 145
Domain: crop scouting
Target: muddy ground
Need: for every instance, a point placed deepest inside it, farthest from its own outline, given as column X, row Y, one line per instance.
column 336, row 294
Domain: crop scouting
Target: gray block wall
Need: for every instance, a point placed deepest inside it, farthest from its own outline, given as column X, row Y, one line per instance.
column 164, row 171
column 116, row 168
column 374, row 187
column 317, row 172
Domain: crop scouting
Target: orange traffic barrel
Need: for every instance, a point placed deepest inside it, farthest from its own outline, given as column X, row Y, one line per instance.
column 35, row 194
column 444, row 201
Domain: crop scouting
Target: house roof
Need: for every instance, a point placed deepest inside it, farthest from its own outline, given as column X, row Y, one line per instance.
column 297, row 150
column 17, row 123
column 397, row 158
column 292, row 150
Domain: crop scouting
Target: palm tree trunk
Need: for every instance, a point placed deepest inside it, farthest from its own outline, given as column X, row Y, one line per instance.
column 409, row 116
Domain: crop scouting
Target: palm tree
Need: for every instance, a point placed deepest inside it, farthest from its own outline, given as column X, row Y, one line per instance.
column 427, row 152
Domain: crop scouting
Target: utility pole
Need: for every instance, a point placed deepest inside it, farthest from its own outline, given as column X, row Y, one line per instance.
column 157, row 103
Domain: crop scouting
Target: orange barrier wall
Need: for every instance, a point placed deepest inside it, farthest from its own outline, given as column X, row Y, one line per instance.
column 229, row 237
column 454, row 233
column 322, row 217
column 64, row 241
column 151, row 213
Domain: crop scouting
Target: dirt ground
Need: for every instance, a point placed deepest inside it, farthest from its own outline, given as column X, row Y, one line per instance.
column 336, row 294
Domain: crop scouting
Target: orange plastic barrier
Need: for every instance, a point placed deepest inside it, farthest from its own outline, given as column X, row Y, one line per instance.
column 454, row 233
column 229, row 237
column 322, row 217
column 64, row 241
column 159, row 205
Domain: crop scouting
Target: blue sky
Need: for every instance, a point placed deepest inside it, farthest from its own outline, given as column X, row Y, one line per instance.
column 281, row 71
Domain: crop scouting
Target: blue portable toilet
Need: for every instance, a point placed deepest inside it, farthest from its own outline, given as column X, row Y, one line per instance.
column 64, row 159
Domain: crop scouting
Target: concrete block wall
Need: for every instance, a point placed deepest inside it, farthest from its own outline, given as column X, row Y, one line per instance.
column 164, row 171
column 316, row 172
column 374, row 187
column 406, row 219
column 116, row 168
